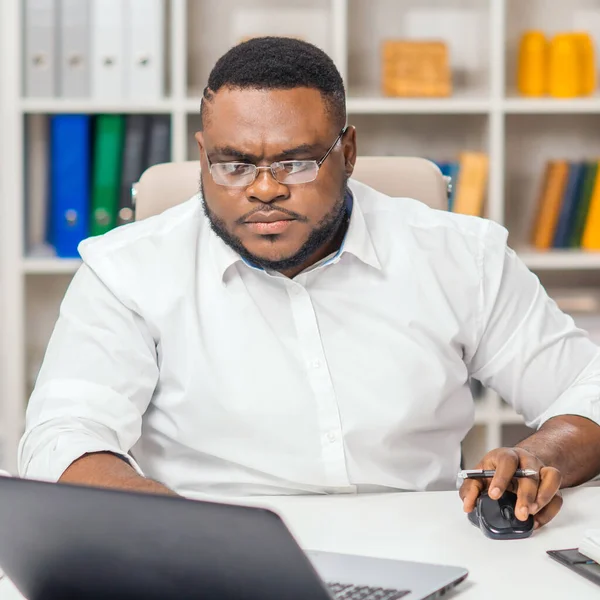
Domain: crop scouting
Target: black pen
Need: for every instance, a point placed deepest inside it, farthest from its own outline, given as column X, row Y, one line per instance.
column 489, row 473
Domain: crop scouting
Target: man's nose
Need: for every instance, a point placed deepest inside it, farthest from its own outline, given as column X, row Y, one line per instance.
column 266, row 188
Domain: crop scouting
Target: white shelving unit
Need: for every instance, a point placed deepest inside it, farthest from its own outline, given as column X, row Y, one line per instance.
column 484, row 113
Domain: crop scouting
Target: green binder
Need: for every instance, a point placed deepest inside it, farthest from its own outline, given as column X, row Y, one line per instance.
column 106, row 172
column 583, row 205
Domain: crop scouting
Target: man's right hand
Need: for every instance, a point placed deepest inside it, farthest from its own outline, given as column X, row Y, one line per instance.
column 103, row 469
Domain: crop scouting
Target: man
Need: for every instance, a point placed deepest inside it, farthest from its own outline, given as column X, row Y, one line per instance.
column 290, row 331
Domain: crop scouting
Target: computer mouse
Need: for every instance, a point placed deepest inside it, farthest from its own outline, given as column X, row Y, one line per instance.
column 497, row 520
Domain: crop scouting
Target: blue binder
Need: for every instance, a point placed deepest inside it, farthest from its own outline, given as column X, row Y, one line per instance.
column 450, row 169
column 69, row 183
column 453, row 170
column 568, row 210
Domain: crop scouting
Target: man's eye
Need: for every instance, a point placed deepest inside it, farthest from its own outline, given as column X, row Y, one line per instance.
column 296, row 166
column 235, row 168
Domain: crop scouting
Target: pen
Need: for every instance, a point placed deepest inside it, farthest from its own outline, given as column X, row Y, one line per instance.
column 485, row 473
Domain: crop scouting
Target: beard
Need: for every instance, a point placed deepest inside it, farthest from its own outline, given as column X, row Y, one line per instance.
column 334, row 221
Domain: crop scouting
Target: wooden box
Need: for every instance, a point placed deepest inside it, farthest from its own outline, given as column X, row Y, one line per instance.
column 416, row 69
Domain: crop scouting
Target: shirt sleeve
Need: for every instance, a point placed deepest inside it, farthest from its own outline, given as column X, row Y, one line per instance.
column 96, row 382
column 528, row 350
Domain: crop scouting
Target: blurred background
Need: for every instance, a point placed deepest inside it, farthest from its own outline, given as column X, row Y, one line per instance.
column 501, row 94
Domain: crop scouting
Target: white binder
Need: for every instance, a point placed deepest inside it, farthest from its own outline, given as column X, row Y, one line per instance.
column 145, row 49
column 39, row 53
column 108, row 56
column 74, row 48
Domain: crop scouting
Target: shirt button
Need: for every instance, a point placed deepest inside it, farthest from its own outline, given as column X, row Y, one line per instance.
column 296, row 290
column 331, row 437
column 315, row 364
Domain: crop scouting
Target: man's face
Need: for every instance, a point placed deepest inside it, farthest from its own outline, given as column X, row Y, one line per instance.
column 286, row 227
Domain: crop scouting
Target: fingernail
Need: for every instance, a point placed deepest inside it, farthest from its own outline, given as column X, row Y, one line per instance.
column 536, row 525
column 524, row 513
column 495, row 492
column 534, row 508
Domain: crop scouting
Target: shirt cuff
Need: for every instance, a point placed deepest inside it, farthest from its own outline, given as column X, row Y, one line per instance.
column 51, row 463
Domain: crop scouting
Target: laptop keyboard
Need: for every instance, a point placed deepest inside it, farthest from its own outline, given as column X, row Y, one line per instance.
column 345, row 591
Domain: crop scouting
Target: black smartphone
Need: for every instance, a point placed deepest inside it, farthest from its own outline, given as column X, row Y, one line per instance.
column 574, row 560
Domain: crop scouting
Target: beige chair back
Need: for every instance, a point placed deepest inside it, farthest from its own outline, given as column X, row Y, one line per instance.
column 166, row 185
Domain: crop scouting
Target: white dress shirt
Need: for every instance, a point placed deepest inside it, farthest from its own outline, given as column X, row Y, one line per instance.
column 218, row 378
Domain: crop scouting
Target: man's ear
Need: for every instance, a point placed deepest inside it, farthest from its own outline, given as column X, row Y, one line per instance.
column 199, row 140
column 350, row 150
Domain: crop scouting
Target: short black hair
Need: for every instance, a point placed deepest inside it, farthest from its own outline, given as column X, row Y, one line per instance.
column 279, row 63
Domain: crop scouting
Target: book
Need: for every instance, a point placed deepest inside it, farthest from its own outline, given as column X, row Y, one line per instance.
column 472, row 183
column 549, row 203
column 106, row 172
column 568, row 210
column 583, row 204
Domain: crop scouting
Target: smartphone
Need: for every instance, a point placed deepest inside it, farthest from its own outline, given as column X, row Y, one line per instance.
column 574, row 560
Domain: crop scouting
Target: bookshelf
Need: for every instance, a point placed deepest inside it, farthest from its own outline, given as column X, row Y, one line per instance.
column 484, row 113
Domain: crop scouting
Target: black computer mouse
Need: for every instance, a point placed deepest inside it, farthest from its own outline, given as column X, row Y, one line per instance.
column 496, row 518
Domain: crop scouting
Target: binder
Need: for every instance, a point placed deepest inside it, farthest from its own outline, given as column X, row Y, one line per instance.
column 159, row 144
column 144, row 48
column 106, row 175
column 591, row 232
column 108, row 52
column 569, row 205
column 37, row 183
column 69, row 182
column 449, row 169
column 74, row 48
column 453, row 172
column 583, row 204
column 550, row 199
column 134, row 159
column 39, row 51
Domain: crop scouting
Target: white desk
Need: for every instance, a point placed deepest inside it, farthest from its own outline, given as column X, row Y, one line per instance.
column 431, row 527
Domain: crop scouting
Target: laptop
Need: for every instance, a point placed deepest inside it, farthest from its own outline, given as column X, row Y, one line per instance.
column 61, row 541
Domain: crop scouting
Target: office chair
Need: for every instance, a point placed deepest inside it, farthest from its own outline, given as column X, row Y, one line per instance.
column 166, row 185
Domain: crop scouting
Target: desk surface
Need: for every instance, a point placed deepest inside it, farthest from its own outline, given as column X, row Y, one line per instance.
column 431, row 527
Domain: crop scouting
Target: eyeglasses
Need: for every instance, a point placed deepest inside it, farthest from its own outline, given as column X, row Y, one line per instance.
column 288, row 172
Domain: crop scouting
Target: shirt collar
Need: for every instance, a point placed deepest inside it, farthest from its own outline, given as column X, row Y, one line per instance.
column 223, row 256
column 357, row 242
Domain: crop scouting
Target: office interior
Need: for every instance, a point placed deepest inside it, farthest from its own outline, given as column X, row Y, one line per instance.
column 484, row 91
column 487, row 109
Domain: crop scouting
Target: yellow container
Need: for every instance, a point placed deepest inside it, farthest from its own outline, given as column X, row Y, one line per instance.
column 587, row 63
column 564, row 67
column 532, row 64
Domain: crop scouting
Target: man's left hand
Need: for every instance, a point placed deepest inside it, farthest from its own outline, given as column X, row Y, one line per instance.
column 538, row 496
